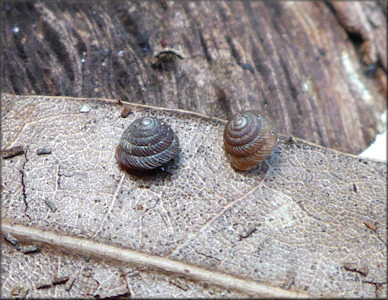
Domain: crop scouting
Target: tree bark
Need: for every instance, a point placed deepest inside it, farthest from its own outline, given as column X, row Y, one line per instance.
column 317, row 68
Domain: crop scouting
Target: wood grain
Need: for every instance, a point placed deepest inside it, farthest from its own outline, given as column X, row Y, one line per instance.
column 303, row 63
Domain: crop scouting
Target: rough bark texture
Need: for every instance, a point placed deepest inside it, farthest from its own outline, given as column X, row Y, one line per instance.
column 318, row 69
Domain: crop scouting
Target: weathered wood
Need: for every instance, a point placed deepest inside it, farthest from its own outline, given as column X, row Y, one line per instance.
column 306, row 64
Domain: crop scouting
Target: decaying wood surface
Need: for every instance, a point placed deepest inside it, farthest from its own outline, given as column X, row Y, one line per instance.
column 318, row 69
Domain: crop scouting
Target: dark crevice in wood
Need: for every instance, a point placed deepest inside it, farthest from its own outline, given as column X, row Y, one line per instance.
column 80, row 45
column 181, row 82
column 204, row 46
column 276, row 11
column 257, row 58
column 355, row 37
column 259, row 64
column 379, row 65
column 132, row 27
column 33, row 81
column 233, row 50
column 221, row 13
column 223, row 101
column 14, row 78
column 57, row 45
column 20, row 49
column 290, row 85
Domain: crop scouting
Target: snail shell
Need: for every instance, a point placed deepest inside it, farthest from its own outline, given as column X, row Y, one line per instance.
column 249, row 138
column 146, row 144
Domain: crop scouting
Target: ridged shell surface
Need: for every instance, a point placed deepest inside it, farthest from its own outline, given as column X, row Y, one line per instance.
column 249, row 138
column 146, row 144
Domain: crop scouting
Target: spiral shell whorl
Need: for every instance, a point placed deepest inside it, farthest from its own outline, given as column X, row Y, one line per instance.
column 146, row 144
column 249, row 138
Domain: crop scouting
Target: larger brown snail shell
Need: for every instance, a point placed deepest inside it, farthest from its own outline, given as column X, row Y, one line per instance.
column 249, row 138
column 146, row 144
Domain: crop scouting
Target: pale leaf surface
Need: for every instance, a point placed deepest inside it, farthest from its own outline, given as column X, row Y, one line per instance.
column 308, row 222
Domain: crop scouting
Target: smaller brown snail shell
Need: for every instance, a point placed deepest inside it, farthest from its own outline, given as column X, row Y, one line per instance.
column 249, row 138
column 146, row 144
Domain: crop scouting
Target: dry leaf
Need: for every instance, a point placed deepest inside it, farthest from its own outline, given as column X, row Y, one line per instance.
column 289, row 228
